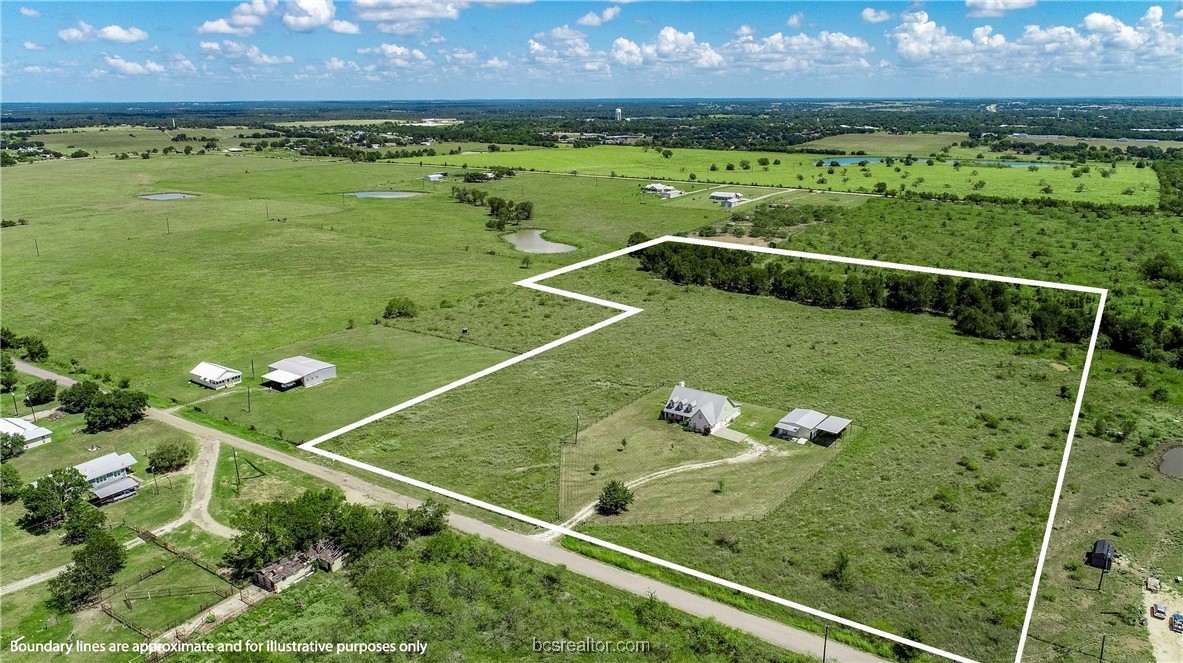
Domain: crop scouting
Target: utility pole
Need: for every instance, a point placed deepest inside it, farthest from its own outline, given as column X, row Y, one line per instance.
column 36, row 247
column 156, row 483
column 252, row 368
column 34, row 411
column 1101, row 658
column 576, row 427
column 1101, row 581
column 248, row 398
column 237, row 476
column 825, row 643
column 267, row 209
column 16, row 411
column 167, row 230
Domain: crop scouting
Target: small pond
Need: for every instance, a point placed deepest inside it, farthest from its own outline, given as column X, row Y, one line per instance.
column 1172, row 463
column 384, row 194
column 530, row 241
column 166, row 196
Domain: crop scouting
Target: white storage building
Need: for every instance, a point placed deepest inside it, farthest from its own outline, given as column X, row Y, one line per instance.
column 33, row 434
column 299, row 371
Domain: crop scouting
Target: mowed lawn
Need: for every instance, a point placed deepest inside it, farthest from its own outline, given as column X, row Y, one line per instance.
column 269, row 254
column 256, row 479
column 799, row 170
column 630, row 444
column 942, row 414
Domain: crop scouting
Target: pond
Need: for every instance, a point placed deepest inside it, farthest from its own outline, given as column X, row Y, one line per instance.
column 385, row 194
column 530, row 241
column 166, row 196
column 1172, row 463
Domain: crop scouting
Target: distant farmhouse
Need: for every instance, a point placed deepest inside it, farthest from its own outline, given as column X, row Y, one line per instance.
column 33, row 434
column 807, row 424
column 299, row 371
column 657, row 187
column 108, row 478
column 435, row 177
column 700, row 411
column 726, row 195
column 214, row 376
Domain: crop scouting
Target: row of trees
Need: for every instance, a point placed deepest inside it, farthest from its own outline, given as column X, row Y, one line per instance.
column 272, row 530
column 982, row 309
column 503, row 212
column 31, row 348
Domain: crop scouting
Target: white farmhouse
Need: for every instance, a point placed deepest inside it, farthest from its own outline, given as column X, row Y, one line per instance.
column 700, row 411
column 33, row 434
column 107, row 476
column 725, row 195
column 299, row 370
column 214, row 376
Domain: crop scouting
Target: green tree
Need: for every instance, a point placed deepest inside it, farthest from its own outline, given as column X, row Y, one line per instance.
column 840, row 575
column 82, row 522
column 8, row 375
column 78, row 396
column 115, row 410
column 35, row 349
column 614, row 499
column 11, row 445
column 41, row 392
column 11, row 484
column 55, row 495
column 170, row 455
column 95, row 564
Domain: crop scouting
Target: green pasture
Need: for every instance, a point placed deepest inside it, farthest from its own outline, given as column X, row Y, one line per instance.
column 262, row 480
column 26, row 614
column 630, row 444
column 916, row 387
column 105, row 142
column 377, row 367
column 885, row 144
column 798, row 170
column 70, row 445
column 268, row 255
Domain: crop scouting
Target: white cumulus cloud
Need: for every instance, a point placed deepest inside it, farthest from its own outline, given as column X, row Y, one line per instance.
column 243, row 19
column 995, row 8
column 86, row 32
column 872, row 15
column 132, row 68
column 344, row 27
column 33, row 46
column 305, row 15
column 794, row 21
column 30, row 12
column 594, row 19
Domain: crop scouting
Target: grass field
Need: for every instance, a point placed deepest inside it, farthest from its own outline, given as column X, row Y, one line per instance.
column 373, row 362
column 921, row 420
column 69, row 448
column 798, row 170
column 262, row 481
column 884, row 144
column 177, row 305
column 652, row 444
column 104, row 142
column 26, row 614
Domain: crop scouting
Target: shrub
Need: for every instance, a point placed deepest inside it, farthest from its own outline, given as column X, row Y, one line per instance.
column 170, row 455
column 400, row 307
column 614, row 499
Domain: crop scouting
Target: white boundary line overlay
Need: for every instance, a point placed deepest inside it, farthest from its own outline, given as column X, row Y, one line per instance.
column 628, row 311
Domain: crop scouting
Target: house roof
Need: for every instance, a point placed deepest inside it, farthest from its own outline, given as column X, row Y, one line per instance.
column 686, row 401
column 833, row 425
column 801, row 418
column 26, row 429
column 112, row 462
column 298, row 365
column 213, row 372
column 105, row 490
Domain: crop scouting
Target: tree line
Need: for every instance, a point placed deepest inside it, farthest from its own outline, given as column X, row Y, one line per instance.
column 983, row 309
column 274, row 530
column 503, row 212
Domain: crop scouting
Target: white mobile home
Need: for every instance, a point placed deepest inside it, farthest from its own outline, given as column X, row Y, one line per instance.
column 214, row 376
column 299, row 371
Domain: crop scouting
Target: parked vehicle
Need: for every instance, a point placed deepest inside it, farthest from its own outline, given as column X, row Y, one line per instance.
column 1177, row 623
column 1158, row 611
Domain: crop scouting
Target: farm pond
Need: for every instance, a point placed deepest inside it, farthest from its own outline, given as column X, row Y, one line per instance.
column 166, row 196
column 530, row 241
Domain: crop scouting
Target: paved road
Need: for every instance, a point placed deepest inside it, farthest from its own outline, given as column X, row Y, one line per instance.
column 29, row 369
column 358, row 490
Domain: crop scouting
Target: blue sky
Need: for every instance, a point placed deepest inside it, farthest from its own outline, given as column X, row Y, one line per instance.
column 426, row 49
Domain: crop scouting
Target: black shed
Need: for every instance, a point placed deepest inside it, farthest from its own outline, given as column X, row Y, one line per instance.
column 1102, row 555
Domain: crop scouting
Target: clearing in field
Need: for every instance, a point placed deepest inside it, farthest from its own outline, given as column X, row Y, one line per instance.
column 954, row 460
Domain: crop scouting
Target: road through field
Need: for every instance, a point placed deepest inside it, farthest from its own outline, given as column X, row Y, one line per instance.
column 358, row 490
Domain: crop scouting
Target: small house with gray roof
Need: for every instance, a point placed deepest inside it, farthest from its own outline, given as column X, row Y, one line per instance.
column 700, row 411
